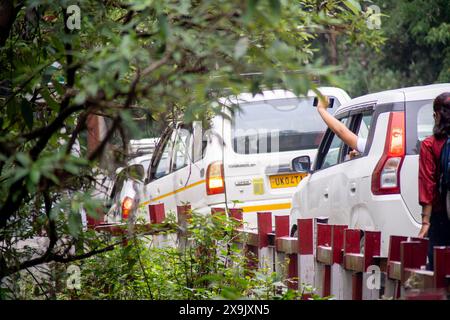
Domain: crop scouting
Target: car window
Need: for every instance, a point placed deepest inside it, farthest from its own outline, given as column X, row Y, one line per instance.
column 163, row 166
column 332, row 155
column 277, row 125
column 425, row 121
column 118, row 185
column 182, row 149
column 364, row 121
column 145, row 164
column 364, row 127
column 419, row 123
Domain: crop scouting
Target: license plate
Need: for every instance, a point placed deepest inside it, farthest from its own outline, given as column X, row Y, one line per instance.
column 285, row 180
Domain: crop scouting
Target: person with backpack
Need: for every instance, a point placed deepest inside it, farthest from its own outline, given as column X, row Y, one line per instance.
column 434, row 179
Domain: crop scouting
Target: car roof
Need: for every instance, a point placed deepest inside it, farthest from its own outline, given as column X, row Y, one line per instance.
column 340, row 94
column 139, row 160
column 416, row 93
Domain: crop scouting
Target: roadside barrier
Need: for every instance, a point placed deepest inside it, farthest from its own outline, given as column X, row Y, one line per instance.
column 333, row 260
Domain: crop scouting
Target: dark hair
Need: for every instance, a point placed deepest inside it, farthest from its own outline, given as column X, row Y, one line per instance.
column 441, row 106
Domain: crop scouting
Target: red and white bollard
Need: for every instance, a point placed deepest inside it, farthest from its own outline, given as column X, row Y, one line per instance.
column 352, row 280
column 392, row 288
column 322, row 277
column 337, row 271
column 281, row 230
column 305, row 254
column 265, row 251
column 183, row 216
column 286, row 249
column 441, row 267
column 362, row 274
column 157, row 215
column 371, row 275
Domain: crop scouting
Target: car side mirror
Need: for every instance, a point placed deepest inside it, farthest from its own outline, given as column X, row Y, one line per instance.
column 301, row 164
column 136, row 172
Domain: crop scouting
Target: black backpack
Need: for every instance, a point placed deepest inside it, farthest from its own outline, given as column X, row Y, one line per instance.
column 444, row 181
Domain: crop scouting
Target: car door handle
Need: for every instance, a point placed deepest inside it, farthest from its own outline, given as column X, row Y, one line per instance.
column 353, row 187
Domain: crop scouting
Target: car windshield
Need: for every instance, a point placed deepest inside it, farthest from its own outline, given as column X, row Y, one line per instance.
column 277, row 126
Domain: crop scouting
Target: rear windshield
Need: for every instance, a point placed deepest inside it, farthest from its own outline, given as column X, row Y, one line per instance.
column 278, row 126
column 419, row 124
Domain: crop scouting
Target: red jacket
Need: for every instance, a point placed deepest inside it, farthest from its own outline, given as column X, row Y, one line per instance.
column 429, row 172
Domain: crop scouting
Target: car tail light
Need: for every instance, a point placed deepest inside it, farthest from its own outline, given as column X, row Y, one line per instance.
column 215, row 182
column 127, row 205
column 386, row 176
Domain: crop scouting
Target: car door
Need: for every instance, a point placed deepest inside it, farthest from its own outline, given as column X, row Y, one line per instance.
column 183, row 168
column 345, row 185
column 317, row 194
column 159, row 187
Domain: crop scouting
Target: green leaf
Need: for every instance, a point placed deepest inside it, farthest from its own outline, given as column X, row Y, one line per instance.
column 50, row 176
column 35, row 175
column 19, row 174
column 71, row 168
column 58, row 87
column 23, row 158
column 80, row 98
column 353, row 5
column 275, row 5
column 126, row 47
column 50, row 101
column 163, row 27
column 250, row 12
column 12, row 109
column 27, row 113
column 74, row 224
column 140, row 5
column 241, row 47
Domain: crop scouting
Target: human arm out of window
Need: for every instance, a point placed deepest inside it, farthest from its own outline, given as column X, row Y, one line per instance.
column 339, row 128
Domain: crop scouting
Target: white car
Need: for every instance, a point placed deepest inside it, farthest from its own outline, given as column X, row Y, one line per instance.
column 377, row 190
column 125, row 188
column 240, row 160
column 141, row 147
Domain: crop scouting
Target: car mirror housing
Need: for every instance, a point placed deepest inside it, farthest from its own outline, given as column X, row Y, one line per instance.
column 301, row 164
column 136, row 172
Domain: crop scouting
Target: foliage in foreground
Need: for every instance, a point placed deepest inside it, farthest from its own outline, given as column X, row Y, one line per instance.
column 207, row 264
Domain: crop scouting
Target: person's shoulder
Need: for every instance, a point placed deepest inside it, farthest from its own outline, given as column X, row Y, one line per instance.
column 427, row 144
column 429, row 141
column 433, row 139
column 433, row 143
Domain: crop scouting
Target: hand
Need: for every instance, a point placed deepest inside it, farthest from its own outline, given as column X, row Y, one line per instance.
column 323, row 103
column 353, row 154
column 424, row 231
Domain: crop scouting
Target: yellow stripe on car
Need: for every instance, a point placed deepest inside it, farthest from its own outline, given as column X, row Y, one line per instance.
column 172, row 193
column 267, row 207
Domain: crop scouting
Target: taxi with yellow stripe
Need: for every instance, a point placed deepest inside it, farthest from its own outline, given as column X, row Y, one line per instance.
column 240, row 160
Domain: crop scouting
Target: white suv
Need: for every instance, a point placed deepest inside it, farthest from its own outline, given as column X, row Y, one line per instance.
column 126, row 185
column 377, row 190
column 243, row 159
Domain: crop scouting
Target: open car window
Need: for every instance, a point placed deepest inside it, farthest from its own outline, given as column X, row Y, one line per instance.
column 332, row 152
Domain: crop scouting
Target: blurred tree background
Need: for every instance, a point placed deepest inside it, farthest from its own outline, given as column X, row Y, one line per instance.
column 416, row 50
